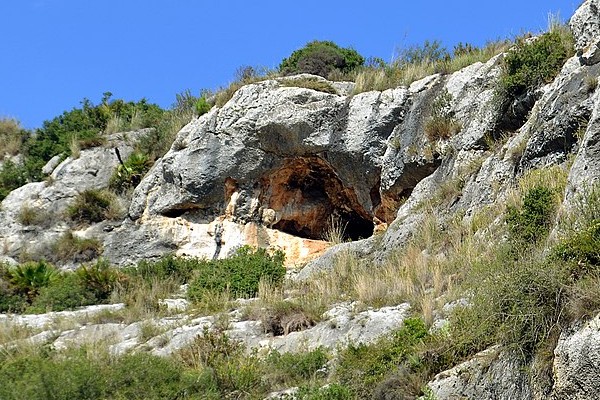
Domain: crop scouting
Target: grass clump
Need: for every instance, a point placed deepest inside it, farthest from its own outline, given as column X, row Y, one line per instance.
column 442, row 123
column 92, row 206
column 417, row 62
column 243, row 76
column 30, row 216
column 71, row 248
column 12, row 137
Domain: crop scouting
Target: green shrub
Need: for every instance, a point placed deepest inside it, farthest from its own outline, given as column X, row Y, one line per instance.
column 29, row 278
column 531, row 223
column 321, row 58
column 143, row 376
column 10, row 300
column 232, row 370
column 91, row 206
column 442, row 124
column 130, row 173
column 77, row 374
column 158, row 141
column 84, row 127
column 239, row 274
column 518, row 305
column 202, row 106
column 66, row 292
column 581, row 248
column 362, row 367
column 533, row 62
column 169, row 266
column 292, row 368
column 100, row 279
column 12, row 176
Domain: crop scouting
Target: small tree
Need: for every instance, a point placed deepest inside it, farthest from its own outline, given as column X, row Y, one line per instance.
column 321, row 58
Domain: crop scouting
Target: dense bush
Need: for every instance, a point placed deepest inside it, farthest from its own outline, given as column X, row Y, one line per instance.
column 531, row 223
column 321, row 58
column 66, row 292
column 38, row 287
column 292, row 368
column 12, row 176
column 27, row 279
column 85, row 126
column 158, row 141
column 533, row 62
column 239, row 274
column 77, row 374
column 100, row 279
column 10, row 299
column 177, row 268
column 202, row 106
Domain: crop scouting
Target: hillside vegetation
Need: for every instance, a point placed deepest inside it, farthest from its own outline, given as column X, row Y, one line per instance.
column 512, row 273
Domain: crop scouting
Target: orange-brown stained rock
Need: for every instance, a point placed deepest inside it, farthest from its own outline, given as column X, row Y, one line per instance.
column 297, row 250
column 306, row 193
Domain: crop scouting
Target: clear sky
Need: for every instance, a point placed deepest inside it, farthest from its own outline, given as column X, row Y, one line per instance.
column 57, row 52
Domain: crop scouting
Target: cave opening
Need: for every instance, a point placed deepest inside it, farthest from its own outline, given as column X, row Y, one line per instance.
column 310, row 199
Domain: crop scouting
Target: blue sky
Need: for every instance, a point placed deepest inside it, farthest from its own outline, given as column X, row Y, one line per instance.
column 57, row 52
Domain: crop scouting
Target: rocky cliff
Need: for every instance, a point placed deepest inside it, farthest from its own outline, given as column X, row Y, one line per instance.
column 281, row 166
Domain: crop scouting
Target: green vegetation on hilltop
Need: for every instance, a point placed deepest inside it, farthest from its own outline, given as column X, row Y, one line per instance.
column 84, row 125
column 88, row 126
column 321, row 58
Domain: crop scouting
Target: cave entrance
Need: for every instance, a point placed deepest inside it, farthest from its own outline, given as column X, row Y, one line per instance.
column 310, row 200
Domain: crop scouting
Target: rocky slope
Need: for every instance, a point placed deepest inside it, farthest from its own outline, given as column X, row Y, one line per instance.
column 278, row 166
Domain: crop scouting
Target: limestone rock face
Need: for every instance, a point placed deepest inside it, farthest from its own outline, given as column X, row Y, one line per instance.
column 300, row 161
column 585, row 24
column 304, row 154
column 577, row 363
column 491, row 374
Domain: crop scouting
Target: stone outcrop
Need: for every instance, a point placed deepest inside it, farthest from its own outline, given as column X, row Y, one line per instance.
column 340, row 326
column 491, row 374
column 49, row 200
column 577, row 362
